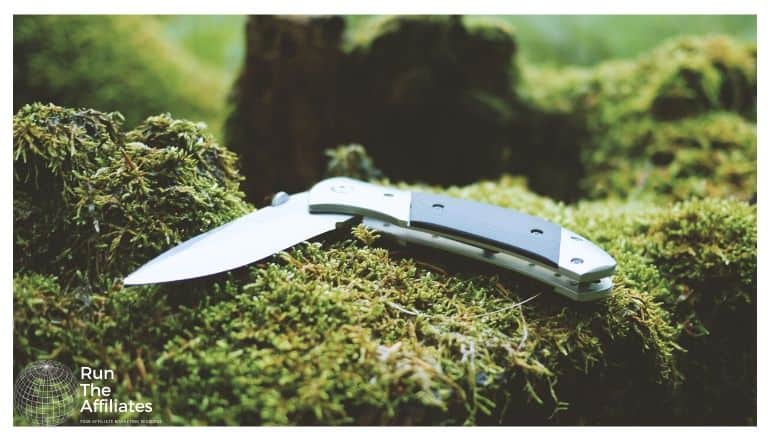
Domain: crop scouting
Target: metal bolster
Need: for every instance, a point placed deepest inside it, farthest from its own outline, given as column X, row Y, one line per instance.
column 582, row 260
column 342, row 195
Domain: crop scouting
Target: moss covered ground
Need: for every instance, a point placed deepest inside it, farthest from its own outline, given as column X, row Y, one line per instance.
column 659, row 168
column 354, row 329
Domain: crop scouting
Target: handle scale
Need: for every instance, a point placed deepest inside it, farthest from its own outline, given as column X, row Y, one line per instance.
column 467, row 220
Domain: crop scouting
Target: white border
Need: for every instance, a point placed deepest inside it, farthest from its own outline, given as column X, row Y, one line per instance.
column 391, row 7
column 361, row 7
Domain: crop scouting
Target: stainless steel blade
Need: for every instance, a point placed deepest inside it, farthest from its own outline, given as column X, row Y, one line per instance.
column 242, row 241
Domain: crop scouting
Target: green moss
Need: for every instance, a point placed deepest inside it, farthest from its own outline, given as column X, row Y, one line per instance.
column 713, row 301
column 350, row 332
column 684, row 77
column 351, row 161
column 354, row 334
column 674, row 122
column 111, row 62
column 688, row 252
column 710, row 155
column 92, row 201
column 359, row 330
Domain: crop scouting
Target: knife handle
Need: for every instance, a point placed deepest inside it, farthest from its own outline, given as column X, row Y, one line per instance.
column 488, row 227
column 470, row 221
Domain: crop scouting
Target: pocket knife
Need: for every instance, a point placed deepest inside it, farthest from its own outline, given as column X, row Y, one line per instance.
column 574, row 266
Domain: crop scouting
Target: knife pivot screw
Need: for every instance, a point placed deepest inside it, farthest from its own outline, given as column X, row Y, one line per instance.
column 438, row 206
column 279, row 198
column 576, row 261
column 536, row 232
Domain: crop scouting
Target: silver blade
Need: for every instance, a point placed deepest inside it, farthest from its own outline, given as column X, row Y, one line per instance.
column 239, row 242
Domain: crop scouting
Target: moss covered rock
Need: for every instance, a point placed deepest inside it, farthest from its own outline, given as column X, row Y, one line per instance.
column 111, row 62
column 710, row 155
column 354, row 329
column 92, row 201
column 357, row 333
column 677, row 122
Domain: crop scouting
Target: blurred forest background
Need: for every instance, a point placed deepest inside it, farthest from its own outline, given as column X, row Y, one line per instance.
column 211, row 48
column 279, row 92
column 218, row 41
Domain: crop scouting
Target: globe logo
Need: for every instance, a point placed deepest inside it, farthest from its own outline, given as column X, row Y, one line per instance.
column 44, row 393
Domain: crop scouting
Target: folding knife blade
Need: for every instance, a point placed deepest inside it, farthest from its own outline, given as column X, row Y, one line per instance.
column 239, row 242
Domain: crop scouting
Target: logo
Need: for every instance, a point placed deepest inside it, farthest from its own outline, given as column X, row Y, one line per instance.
column 45, row 393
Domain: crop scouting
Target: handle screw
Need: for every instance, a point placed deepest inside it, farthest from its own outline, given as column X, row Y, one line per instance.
column 279, row 198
